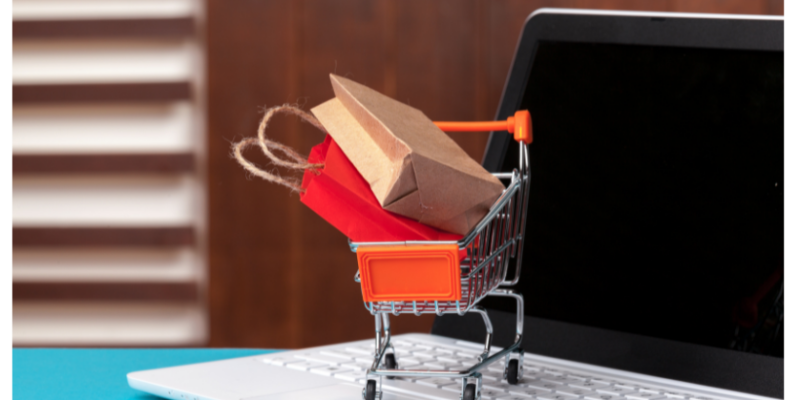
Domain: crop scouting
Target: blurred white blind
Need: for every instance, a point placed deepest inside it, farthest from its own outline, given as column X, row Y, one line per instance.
column 108, row 217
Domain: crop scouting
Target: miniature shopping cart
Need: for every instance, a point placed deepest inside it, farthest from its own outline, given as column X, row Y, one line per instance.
column 449, row 277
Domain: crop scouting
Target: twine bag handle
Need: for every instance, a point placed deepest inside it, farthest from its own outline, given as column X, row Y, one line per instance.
column 270, row 148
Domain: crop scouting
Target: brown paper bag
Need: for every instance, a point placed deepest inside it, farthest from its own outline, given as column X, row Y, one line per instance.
column 413, row 168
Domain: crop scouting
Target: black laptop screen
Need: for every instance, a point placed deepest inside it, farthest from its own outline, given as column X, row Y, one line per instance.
column 656, row 201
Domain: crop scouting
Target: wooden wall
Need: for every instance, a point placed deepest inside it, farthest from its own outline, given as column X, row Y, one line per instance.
column 279, row 276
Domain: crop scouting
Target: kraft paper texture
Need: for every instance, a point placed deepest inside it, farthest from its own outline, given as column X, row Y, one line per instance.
column 413, row 168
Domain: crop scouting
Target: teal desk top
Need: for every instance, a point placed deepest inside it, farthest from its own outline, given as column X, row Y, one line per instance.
column 86, row 374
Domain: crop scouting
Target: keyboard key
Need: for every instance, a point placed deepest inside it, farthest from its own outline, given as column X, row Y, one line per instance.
column 407, row 364
column 450, row 358
column 536, row 373
column 451, row 366
column 587, row 385
column 674, row 395
column 508, row 396
column 528, row 379
column 330, row 370
column 493, row 378
column 552, row 371
column 419, row 358
column 530, row 391
column 569, row 395
column 645, row 396
column 615, row 391
column 599, row 396
column 562, row 396
column 416, row 390
column 421, row 367
column 562, row 380
column 363, row 359
column 435, row 382
column 337, row 354
column 567, row 390
column 423, row 346
column 495, row 385
column 627, row 386
column 554, row 396
column 644, row 389
column 453, row 388
column 497, row 367
column 433, row 364
column 319, row 358
column 464, row 360
column 351, row 376
column 360, row 350
column 281, row 361
column 493, row 375
column 549, row 386
column 403, row 352
column 305, row 366
column 491, row 393
column 352, row 365
column 579, row 377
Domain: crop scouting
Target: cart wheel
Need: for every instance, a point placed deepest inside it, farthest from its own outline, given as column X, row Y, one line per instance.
column 390, row 363
column 512, row 372
column 469, row 392
column 369, row 391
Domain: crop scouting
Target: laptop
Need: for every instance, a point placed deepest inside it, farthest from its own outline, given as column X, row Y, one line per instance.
column 653, row 256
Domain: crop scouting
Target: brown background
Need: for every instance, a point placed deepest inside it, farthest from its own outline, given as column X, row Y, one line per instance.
column 279, row 276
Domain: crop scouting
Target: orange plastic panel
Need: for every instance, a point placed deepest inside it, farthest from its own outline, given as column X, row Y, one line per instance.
column 405, row 273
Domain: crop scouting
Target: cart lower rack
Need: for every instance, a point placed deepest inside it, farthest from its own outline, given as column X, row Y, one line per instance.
column 437, row 277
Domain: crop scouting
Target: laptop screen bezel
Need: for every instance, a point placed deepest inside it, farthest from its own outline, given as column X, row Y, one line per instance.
column 712, row 31
column 721, row 368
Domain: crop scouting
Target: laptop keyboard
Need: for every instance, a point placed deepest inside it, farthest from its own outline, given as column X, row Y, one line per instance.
column 539, row 381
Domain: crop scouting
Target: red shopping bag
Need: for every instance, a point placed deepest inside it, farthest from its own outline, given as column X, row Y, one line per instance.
column 339, row 194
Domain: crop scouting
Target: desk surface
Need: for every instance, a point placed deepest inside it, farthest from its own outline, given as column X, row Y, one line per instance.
column 85, row 374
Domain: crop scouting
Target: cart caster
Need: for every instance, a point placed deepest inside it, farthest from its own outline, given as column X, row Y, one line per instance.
column 389, row 362
column 370, row 390
column 512, row 372
column 470, row 392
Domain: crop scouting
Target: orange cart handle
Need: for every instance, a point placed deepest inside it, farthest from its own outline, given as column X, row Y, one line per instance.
column 519, row 124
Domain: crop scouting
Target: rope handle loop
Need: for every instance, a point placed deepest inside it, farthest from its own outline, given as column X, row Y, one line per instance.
column 270, row 149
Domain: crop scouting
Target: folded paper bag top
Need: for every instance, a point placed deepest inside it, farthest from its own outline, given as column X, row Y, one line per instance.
column 413, row 168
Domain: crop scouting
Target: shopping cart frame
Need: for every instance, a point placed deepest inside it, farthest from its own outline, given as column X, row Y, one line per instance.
column 497, row 238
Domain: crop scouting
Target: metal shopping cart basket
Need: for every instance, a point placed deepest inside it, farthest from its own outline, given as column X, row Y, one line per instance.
column 439, row 277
